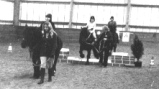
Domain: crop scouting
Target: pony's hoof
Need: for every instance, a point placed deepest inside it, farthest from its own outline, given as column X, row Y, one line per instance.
column 53, row 73
column 87, row 63
column 36, row 77
column 41, row 82
column 82, row 55
column 104, row 65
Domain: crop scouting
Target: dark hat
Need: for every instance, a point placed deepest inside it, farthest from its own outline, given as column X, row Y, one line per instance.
column 49, row 15
column 112, row 17
column 92, row 17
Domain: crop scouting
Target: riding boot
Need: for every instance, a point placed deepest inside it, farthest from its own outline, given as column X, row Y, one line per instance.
column 101, row 58
column 105, row 60
column 42, row 73
column 50, row 74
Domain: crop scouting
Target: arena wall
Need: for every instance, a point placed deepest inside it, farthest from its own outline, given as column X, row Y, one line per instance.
column 71, row 35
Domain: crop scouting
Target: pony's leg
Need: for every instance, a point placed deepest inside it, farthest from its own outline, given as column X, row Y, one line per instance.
column 38, row 68
column 55, row 62
column 35, row 67
column 115, row 46
column 36, row 64
column 112, row 49
column 81, row 52
column 88, row 56
column 57, row 53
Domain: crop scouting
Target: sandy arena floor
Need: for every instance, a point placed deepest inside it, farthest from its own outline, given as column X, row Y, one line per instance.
column 16, row 71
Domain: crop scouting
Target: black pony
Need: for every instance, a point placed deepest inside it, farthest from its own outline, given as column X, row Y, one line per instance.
column 86, row 41
column 32, row 37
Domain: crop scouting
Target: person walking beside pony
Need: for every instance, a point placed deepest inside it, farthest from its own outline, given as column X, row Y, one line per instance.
column 105, row 41
column 48, row 18
column 48, row 45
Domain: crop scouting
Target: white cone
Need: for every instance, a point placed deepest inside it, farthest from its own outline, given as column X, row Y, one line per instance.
column 10, row 48
column 152, row 62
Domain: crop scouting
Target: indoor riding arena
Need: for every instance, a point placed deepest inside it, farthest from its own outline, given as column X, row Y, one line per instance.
column 134, row 19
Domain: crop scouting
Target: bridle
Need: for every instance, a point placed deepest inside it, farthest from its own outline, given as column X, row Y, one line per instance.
column 91, row 43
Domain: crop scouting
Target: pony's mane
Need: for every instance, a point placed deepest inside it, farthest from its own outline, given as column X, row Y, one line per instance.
column 84, row 32
column 85, row 36
column 32, row 35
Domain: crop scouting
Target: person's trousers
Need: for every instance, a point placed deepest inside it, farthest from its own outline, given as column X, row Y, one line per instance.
column 43, row 60
column 104, row 57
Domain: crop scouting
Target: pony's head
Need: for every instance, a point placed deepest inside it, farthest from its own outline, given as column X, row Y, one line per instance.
column 83, row 35
column 86, row 37
column 84, row 31
column 29, row 37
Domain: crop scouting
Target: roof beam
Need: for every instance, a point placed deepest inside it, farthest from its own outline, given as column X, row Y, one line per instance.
column 140, row 5
column 50, row 2
column 8, row 0
column 101, row 4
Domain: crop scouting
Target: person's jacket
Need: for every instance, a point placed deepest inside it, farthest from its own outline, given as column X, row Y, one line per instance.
column 112, row 26
column 51, row 41
column 105, row 40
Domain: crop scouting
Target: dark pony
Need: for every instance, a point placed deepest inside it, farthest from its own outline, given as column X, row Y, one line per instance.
column 86, row 41
column 31, row 39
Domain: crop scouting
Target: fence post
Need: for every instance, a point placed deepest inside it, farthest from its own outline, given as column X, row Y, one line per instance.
column 16, row 12
column 71, row 13
column 128, row 15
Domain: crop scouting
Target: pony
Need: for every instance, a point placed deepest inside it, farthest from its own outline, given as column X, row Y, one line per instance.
column 31, row 39
column 86, row 41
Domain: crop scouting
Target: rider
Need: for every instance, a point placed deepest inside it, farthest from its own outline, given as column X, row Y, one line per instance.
column 48, row 46
column 112, row 26
column 48, row 18
column 105, row 47
column 91, row 25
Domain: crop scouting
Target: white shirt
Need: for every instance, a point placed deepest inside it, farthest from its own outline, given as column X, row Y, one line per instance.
column 91, row 26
